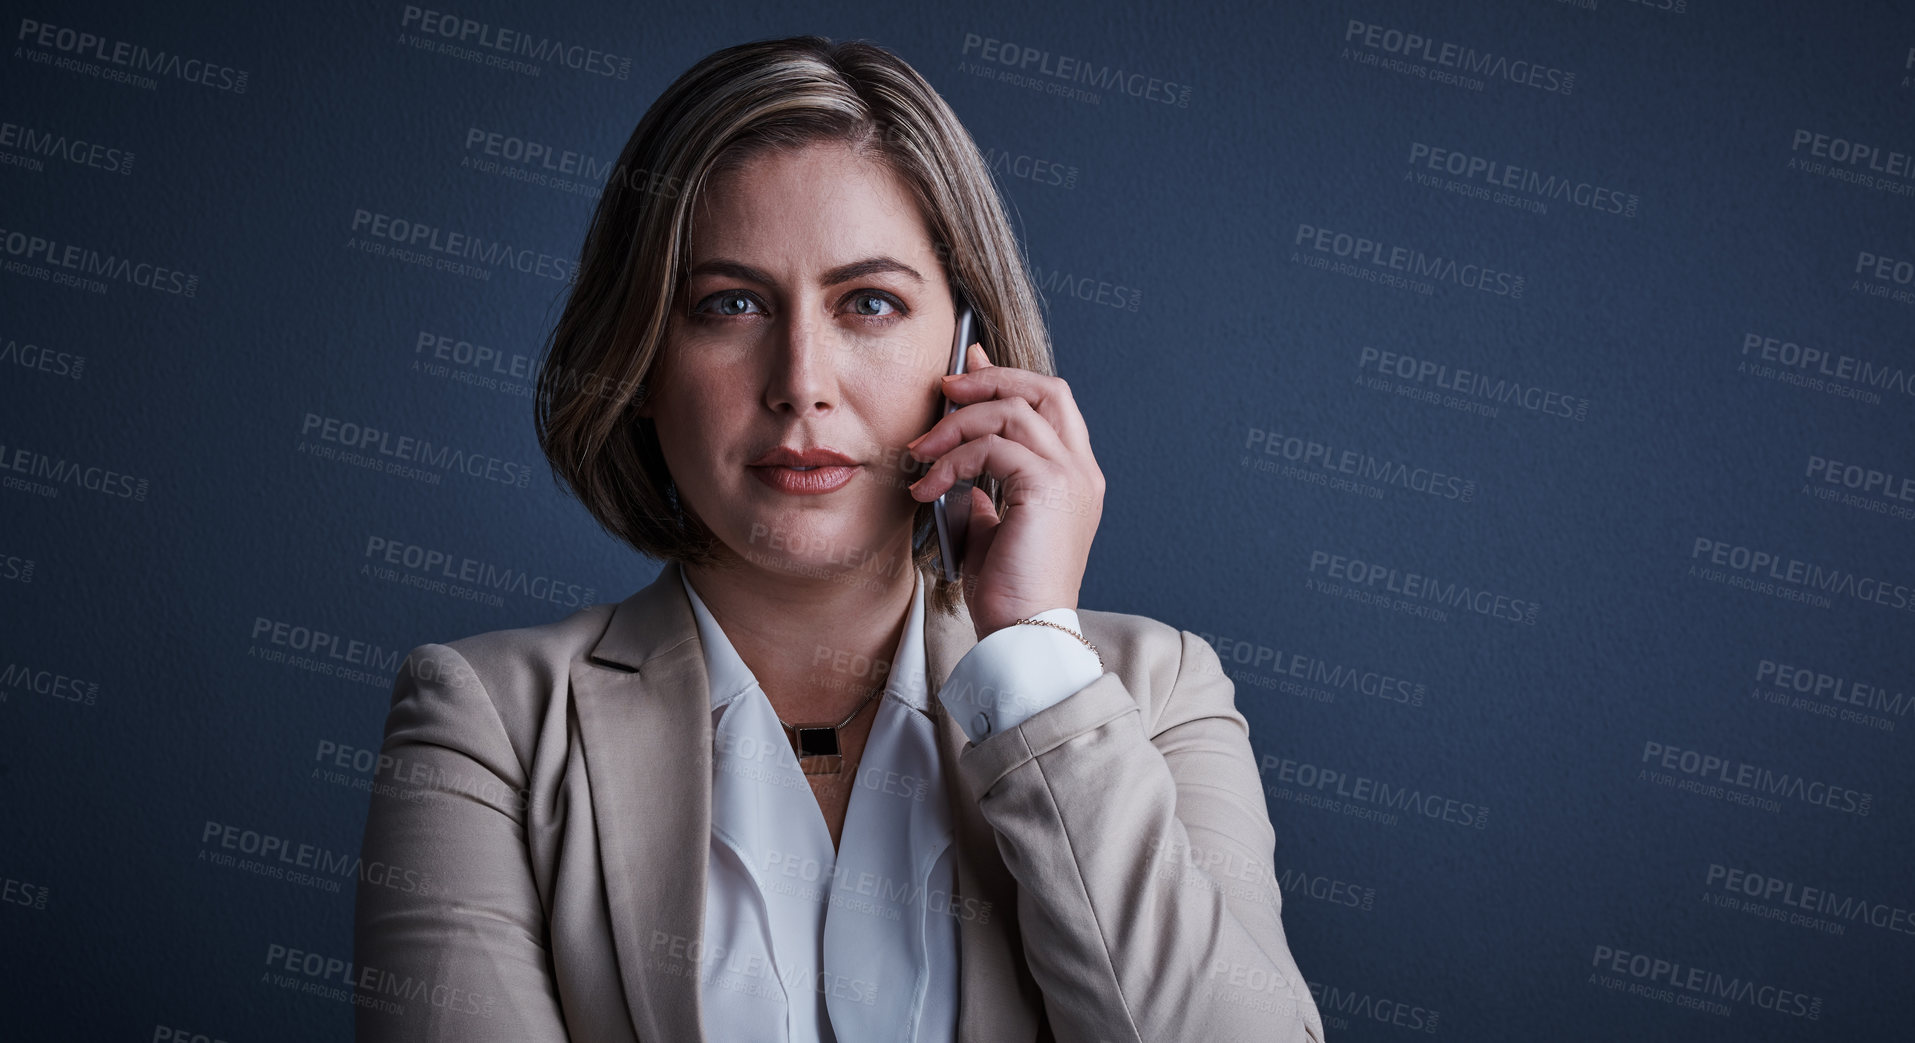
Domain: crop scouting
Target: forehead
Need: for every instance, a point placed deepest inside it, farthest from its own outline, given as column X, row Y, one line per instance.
column 811, row 207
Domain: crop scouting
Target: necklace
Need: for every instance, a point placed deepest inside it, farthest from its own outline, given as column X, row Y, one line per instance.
column 817, row 746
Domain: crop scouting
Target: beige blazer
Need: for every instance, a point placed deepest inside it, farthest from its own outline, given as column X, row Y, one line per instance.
column 542, row 816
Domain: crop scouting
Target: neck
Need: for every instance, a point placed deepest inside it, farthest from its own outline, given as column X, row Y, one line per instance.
column 818, row 644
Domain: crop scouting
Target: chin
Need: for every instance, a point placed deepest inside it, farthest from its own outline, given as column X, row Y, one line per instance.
column 823, row 544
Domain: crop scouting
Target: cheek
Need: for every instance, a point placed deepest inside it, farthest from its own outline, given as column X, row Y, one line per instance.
column 697, row 407
column 687, row 440
column 703, row 442
column 913, row 383
column 904, row 408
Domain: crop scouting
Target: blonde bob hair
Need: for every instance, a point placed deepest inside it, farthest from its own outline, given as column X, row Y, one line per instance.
column 730, row 106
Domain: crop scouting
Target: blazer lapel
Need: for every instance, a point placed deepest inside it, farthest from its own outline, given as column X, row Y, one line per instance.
column 643, row 703
column 644, row 718
column 998, row 1000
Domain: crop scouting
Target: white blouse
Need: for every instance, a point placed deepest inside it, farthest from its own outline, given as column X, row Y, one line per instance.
column 804, row 944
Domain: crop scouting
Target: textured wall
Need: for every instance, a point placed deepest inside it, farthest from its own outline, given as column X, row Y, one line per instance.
column 1517, row 394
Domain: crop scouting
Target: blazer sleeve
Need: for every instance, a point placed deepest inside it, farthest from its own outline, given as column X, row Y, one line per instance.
column 1143, row 851
column 461, row 953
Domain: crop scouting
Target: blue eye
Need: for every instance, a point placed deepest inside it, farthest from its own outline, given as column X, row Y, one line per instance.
column 729, row 298
column 735, row 303
column 884, row 299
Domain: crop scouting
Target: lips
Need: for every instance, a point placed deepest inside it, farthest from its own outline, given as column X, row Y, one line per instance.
column 786, row 456
column 803, row 472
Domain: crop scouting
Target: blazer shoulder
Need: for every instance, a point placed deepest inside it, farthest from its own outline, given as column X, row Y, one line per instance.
column 521, row 670
column 549, row 646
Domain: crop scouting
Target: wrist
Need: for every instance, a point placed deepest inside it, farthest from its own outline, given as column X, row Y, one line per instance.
column 1062, row 612
column 1064, row 620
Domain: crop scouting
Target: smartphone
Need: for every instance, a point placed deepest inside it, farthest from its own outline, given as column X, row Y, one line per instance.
column 953, row 509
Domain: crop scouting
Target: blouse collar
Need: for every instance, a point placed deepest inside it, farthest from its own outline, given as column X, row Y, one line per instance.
column 730, row 677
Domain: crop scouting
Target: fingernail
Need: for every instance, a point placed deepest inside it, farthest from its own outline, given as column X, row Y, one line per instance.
column 912, row 443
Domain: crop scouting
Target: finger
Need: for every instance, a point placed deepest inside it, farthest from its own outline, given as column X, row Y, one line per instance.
column 983, row 530
column 1011, row 462
column 1012, row 417
column 1050, row 396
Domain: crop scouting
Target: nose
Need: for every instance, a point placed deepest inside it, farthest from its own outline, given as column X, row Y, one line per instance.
column 803, row 376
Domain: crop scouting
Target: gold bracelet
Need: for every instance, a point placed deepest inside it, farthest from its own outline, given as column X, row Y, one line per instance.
column 1067, row 630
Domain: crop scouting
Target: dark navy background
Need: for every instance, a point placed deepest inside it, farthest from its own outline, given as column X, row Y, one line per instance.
column 139, row 721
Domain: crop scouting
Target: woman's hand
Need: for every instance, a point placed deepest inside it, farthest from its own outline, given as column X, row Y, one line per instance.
column 1024, row 429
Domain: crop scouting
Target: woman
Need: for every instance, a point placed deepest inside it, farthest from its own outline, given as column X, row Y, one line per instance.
column 801, row 787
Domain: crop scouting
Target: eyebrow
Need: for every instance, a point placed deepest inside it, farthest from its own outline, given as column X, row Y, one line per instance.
column 832, row 277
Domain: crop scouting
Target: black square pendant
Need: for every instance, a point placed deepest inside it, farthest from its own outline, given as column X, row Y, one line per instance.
column 817, row 742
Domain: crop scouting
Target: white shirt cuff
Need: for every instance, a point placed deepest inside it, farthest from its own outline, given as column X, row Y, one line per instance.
column 1016, row 672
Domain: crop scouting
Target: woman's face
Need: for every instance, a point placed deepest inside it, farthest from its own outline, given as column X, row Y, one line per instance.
column 816, row 316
